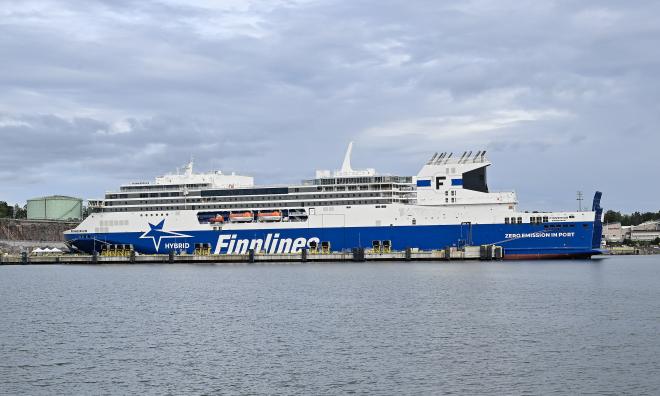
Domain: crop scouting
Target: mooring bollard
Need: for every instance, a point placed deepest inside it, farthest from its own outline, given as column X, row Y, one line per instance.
column 251, row 255
column 358, row 254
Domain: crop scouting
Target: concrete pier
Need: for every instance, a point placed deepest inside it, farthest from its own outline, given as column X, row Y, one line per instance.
column 356, row 255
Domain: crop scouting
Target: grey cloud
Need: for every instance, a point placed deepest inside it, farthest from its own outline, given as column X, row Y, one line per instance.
column 104, row 92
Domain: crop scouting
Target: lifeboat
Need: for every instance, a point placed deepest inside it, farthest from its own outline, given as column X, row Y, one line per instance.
column 275, row 215
column 241, row 217
column 217, row 219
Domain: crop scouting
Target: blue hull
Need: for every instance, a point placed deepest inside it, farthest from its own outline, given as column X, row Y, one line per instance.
column 521, row 241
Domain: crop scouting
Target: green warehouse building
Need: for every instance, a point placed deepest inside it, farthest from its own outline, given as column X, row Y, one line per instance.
column 56, row 207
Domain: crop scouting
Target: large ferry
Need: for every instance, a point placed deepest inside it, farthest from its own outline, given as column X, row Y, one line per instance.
column 447, row 204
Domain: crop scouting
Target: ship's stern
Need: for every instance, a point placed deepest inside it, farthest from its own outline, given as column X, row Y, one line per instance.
column 597, row 236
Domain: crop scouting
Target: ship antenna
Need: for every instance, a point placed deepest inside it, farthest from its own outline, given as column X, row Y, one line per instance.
column 189, row 167
column 580, row 197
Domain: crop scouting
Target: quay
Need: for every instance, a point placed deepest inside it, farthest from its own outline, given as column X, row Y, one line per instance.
column 485, row 252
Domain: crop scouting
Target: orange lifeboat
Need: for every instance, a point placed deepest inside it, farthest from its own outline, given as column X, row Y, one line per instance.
column 275, row 215
column 217, row 219
column 241, row 217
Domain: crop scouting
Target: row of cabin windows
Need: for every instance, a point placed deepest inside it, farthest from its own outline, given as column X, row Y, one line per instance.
column 143, row 195
column 513, row 220
column 361, row 180
column 191, row 201
column 142, row 192
column 142, row 187
column 532, row 220
column 250, row 206
column 253, row 198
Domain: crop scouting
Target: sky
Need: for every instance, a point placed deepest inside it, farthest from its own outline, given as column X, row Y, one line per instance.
column 563, row 95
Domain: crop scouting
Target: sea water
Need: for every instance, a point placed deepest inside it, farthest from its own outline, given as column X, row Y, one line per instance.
column 536, row 327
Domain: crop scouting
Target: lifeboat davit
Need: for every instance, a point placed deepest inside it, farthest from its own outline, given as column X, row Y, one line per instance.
column 241, row 217
column 217, row 219
column 275, row 215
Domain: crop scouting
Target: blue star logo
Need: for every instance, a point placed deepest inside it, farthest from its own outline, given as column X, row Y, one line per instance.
column 156, row 233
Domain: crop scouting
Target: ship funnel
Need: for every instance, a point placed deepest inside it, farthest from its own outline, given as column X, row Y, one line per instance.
column 462, row 156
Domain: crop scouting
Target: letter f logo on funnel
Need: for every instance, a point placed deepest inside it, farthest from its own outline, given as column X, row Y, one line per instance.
column 156, row 233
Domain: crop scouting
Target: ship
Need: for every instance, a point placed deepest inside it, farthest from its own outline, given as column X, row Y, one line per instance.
column 447, row 204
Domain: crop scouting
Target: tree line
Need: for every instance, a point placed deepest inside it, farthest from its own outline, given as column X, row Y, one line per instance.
column 634, row 219
column 14, row 212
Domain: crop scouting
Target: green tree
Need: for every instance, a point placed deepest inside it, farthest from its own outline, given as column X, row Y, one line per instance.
column 612, row 217
column 635, row 218
column 6, row 210
column 20, row 213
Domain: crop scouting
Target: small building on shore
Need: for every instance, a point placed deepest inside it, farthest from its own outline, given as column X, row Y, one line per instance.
column 613, row 233
column 646, row 232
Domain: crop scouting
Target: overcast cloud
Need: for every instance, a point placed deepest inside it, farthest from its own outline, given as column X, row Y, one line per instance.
column 564, row 95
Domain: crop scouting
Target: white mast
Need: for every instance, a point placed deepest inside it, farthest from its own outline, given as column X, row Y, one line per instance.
column 189, row 167
column 346, row 166
column 347, row 169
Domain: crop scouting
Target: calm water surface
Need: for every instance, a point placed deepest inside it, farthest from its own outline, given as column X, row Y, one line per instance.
column 425, row 328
